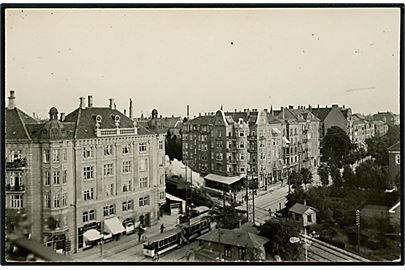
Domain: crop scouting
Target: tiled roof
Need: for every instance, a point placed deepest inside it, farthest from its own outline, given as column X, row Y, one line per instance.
column 300, row 208
column 15, row 124
column 239, row 238
column 321, row 113
column 203, row 120
column 86, row 123
column 344, row 112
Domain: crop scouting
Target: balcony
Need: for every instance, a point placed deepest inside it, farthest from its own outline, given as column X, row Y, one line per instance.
column 17, row 164
column 15, row 188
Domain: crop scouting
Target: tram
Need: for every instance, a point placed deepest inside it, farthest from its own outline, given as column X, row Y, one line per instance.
column 159, row 244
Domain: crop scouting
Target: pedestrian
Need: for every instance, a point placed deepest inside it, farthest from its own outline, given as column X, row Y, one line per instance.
column 270, row 211
column 140, row 232
column 162, row 228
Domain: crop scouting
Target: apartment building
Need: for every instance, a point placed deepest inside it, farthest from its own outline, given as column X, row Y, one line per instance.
column 268, row 144
column 91, row 169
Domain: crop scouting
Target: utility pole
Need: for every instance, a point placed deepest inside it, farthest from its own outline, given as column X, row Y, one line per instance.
column 358, row 229
column 247, row 196
column 253, row 197
column 102, row 238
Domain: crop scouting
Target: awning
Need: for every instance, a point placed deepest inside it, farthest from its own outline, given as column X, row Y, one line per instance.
column 173, row 198
column 276, row 130
column 113, row 226
column 285, row 140
column 92, row 235
column 227, row 180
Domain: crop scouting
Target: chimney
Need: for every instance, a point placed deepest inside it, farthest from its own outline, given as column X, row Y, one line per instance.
column 282, row 111
column 90, row 101
column 130, row 109
column 318, row 106
column 343, row 106
column 62, row 116
column 111, row 106
column 290, row 107
column 335, row 106
column 236, row 110
column 199, row 114
column 188, row 111
column 309, row 107
column 33, row 115
column 82, row 104
column 265, row 110
column 125, row 112
column 11, row 100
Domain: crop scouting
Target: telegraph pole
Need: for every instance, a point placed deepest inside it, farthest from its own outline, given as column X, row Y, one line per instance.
column 253, row 197
column 247, row 196
column 358, row 229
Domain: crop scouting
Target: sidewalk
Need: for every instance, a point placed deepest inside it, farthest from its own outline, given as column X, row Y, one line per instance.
column 126, row 241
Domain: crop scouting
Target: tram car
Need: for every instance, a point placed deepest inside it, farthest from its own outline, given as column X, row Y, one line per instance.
column 183, row 233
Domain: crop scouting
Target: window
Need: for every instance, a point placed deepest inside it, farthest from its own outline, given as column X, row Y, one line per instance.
column 219, row 156
column 142, row 147
column 88, row 152
column 241, row 133
column 64, row 176
column 89, row 215
column 126, row 166
column 160, row 145
column 228, row 251
column 309, row 218
column 108, row 169
column 109, row 210
column 47, row 201
column 144, row 201
column 219, row 144
column 64, row 154
column 56, row 178
column 88, row 172
column 15, row 179
column 88, row 194
column 46, row 156
column 126, row 149
column 64, row 199
column 398, row 159
column 15, row 155
column 242, row 169
column 17, row 201
column 108, row 150
column 55, row 155
column 47, row 178
column 162, row 195
column 143, row 182
column 128, row 205
column 162, row 161
column 142, row 164
column 242, row 253
column 109, row 190
column 56, row 201
column 242, row 157
column 162, row 179
column 241, row 145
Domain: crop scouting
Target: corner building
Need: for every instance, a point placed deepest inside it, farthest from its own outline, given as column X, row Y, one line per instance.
column 92, row 168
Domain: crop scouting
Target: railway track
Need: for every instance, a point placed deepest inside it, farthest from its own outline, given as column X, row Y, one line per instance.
column 319, row 251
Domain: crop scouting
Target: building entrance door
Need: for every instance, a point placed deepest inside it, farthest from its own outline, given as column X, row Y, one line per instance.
column 147, row 220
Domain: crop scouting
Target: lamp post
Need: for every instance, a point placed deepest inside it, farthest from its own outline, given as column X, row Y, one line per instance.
column 102, row 238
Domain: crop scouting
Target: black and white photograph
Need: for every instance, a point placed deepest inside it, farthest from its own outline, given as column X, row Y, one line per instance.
column 202, row 134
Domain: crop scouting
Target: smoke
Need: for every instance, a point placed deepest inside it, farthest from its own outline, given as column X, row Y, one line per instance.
column 177, row 168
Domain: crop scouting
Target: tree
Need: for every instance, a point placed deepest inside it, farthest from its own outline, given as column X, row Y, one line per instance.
column 306, row 176
column 348, row 176
column 279, row 233
column 173, row 146
column 227, row 217
column 370, row 175
column 336, row 176
column 295, row 180
column 323, row 172
column 336, row 146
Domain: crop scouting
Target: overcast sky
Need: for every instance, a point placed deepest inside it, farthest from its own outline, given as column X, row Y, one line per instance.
column 168, row 58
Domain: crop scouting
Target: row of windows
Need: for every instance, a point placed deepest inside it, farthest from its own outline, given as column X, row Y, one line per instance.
column 109, row 210
column 108, row 169
column 16, row 201
column 15, row 179
column 55, row 201
column 88, row 194
column 56, row 177
column 55, row 155
column 88, row 151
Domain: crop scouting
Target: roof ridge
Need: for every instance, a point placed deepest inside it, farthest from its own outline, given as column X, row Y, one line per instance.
column 23, row 124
